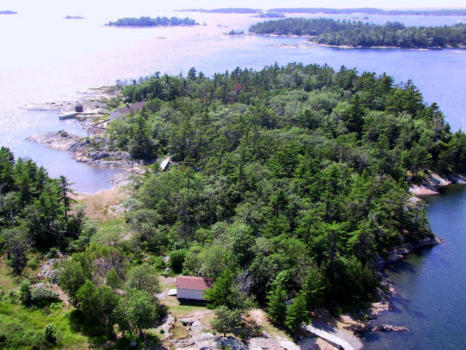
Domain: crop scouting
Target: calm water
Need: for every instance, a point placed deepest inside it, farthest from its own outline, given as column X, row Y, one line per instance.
column 49, row 58
column 432, row 285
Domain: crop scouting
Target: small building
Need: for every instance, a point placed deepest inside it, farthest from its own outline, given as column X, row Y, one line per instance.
column 79, row 108
column 191, row 287
column 130, row 108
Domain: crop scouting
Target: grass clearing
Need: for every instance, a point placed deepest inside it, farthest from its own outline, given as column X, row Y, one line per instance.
column 22, row 326
column 98, row 206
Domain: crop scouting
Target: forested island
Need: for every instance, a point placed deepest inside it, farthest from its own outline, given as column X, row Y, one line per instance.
column 225, row 10
column 152, row 22
column 373, row 11
column 332, row 11
column 366, row 35
column 270, row 15
column 288, row 186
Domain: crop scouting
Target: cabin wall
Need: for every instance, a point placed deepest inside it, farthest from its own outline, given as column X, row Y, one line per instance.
column 194, row 294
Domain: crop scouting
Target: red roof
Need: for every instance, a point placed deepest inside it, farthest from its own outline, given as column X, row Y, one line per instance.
column 192, row 282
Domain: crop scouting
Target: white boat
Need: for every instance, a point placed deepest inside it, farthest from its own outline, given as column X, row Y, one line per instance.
column 67, row 115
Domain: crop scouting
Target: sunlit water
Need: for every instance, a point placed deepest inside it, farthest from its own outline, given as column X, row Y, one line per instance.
column 45, row 58
column 432, row 285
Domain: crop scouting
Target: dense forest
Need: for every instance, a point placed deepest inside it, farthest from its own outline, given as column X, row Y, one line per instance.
column 286, row 185
column 39, row 222
column 286, row 181
column 152, row 22
column 360, row 34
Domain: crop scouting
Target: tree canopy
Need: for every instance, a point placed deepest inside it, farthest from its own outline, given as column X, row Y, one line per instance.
column 298, row 171
column 152, row 22
column 362, row 34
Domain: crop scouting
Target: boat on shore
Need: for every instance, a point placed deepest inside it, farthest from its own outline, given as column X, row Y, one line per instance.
column 67, row 115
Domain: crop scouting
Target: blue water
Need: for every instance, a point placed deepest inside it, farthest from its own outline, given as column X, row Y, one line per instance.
column 432, row 285
column 17, row 125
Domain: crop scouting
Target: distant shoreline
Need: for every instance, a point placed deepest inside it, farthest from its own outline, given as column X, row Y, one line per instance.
column 8, row 12
column 309, row 39
column 333, row 11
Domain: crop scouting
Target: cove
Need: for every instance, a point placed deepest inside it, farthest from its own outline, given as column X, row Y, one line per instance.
column 431, row 284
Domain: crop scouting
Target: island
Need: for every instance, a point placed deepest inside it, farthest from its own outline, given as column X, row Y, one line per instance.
column 269, row 14
column 333, row 11
column 266, row 197
column 357, row 34
column 372, row 11
column 73, row 17
column 237, row 10
column 152, row 22
column 8, row 12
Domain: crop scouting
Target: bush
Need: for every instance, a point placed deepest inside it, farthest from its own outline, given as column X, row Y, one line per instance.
column 52, row 254
column 25, row 294
column 42, row 297
column 50, row 334
column 177, row 259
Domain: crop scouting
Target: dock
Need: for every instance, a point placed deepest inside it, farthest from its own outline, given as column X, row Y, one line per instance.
column 334, row 336
column 69, row 115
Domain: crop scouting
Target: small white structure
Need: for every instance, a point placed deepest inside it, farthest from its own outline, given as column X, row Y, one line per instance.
column 191, row 287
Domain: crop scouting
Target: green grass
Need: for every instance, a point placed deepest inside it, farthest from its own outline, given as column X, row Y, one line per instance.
column 24, row 326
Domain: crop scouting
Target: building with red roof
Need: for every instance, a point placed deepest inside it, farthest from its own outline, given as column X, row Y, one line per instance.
column 192, row 287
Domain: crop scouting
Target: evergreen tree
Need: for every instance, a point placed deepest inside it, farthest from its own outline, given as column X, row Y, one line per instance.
column 222, row 293
column 297, row 314
column 276, row 304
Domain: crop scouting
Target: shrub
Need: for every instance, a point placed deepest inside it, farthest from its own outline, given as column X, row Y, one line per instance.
column 176, row 260
column 50, row 334
column 25, row 294
column 42, row 297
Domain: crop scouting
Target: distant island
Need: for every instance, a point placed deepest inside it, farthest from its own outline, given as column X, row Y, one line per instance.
column 366, row 35
column 225, row 10
column 8, row 12
column 73, row 17
column 270, row 15
column 315, row 10
column 236, row 32
column 152, row 22
column 373, row 11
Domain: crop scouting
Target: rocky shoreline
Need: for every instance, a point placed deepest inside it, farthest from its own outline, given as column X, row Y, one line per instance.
column 93, row 152
column 434, row 183
column 431, row 186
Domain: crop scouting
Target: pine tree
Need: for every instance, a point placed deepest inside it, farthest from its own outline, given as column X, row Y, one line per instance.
column 276, row 304
column 297, row 313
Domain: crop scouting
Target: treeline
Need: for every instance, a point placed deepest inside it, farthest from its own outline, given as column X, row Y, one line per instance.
column 331, row 11
column 244, row 10
column 360, row 34
column 37, row 223
column 152, row 22
column 373, row 11
column 35, row 210
column 289, row 181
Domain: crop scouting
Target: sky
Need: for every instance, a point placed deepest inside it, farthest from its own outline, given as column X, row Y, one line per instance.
column 100, row 6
